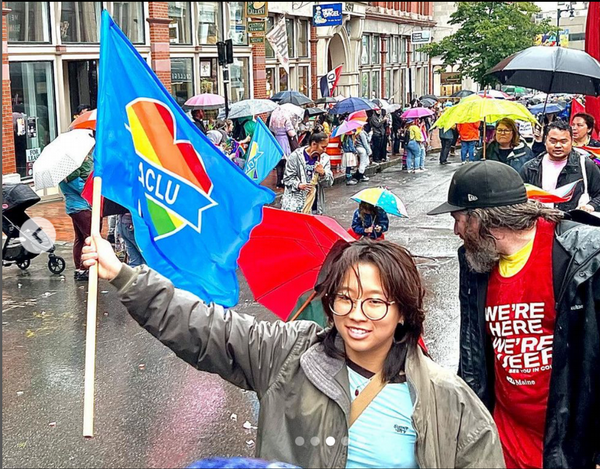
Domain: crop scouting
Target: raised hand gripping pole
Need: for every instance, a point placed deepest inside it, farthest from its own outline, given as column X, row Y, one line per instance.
column 90, row 334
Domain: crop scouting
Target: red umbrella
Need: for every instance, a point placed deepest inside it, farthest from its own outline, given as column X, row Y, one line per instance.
column 283, row 257
column 592, row 47
column 87, row 120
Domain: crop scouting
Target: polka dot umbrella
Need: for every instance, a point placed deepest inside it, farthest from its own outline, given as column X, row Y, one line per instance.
column 384, row 199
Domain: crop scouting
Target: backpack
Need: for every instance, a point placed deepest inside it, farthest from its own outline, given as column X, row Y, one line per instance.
column 405, row 136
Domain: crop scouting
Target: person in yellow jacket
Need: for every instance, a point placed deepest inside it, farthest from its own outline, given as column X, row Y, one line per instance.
column 415, row 160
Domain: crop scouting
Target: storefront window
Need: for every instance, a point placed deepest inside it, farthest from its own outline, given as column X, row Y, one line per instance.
column 375, row 50
column 182, row 79
column 303, row 38
column 28, row 22
column 270, row 82
column 34, row 112
column 83, row 83
column 180, row 29
column 283, row 80
column 364, row 84
column 237, row 23
column 375, row 82
column 239, row 72
column 209, row 20
column 289, row 28
column 303, row 80
column 208, row 75
column 129, row 16
column 364, row 58
column 79, row 22
column 268, row 49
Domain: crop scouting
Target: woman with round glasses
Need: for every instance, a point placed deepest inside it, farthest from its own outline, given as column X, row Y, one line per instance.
column 507, row 147
column 358, row 394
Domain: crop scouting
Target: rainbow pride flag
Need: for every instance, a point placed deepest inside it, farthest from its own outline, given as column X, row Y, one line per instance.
column 557, row 196
column 594, row 153
column 192, row 208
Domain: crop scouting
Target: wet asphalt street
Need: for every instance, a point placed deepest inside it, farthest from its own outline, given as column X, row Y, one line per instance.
column 153, row 410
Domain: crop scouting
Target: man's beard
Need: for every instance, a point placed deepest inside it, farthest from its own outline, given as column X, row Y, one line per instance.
column 481, row 253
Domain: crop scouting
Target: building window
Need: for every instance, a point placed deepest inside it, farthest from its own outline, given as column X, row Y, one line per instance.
column 237, row 23
column 269, row 53
column 375, row 82
column 284, row 80
column 303, row 38
column 83, row 83
column 289, row 29
column 375, row 50
column 182, row 79
column 395, row 47
column 364, row 82
column 388, row 49
column 364, row 58
column 240, row 79
column 28, row 22
column 270, row 81
column 180, row 29
column 34, row 111
column 403, row 46
column 129, row 16
column 79, row 22
column 209, row 20
column 303, row 80
column 388, row 84
column 208, row 75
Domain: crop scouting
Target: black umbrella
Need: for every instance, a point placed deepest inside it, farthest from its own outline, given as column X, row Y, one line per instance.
column 427, row 102
column 429, row 96
column 551, row 70
column 462, row 94
column 327, row 100
column 315, row 111
column 294, row 97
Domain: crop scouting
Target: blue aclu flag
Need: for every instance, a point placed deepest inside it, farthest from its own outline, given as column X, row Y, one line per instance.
column 263, row 154
column 192, row 208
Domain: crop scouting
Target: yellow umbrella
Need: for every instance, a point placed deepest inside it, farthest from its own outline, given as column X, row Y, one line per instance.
column 474, row 108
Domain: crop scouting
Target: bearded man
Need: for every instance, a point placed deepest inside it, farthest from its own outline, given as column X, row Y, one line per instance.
column 530, row 317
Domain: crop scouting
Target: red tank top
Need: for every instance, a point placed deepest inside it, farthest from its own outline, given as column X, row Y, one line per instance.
column 520, row 316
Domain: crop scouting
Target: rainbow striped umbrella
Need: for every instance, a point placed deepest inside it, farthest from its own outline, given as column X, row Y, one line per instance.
column 384, row 199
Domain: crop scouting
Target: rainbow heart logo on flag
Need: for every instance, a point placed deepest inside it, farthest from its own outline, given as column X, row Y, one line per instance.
column 172, row 175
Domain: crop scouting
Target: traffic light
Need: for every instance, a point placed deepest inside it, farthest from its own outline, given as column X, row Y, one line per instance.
column 225, row 52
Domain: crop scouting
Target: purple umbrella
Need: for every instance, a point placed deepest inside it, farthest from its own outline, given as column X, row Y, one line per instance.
column 417, row 113
column 347, row 126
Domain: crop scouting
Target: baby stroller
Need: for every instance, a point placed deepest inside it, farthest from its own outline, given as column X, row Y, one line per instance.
column 16, row 198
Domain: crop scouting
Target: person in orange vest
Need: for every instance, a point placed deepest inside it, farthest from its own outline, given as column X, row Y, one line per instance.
column 469, row 136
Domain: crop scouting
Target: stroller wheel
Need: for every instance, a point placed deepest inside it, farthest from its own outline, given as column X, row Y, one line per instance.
column 24, row 265
column 56, row 264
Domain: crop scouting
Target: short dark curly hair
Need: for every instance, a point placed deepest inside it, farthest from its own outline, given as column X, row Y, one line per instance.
column 400, row 281
column 560, row 125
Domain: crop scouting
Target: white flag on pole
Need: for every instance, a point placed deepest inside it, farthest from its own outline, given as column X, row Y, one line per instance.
column 278, row 39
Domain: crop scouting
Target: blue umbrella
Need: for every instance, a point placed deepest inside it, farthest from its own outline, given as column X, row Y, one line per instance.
column 349, row 105
column 382, row 198
column 550, row 108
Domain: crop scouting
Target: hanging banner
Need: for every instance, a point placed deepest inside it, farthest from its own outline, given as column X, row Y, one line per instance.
column 278, row 39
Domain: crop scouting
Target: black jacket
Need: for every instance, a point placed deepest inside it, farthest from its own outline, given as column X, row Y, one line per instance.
column 573, row 415
column 519, row 155
column 531, row 173
column 377, row 125
column 200, row 125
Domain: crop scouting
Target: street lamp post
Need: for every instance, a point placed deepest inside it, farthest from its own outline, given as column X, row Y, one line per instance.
column 569, row 8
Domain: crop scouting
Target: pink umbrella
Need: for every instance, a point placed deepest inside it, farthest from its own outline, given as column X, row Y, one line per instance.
column 206, row 101
column 416, row 113
column 358, row 116
column 347, row 126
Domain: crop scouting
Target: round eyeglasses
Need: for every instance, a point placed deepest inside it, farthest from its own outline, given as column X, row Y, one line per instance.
column 374, row 309
column 503, row 131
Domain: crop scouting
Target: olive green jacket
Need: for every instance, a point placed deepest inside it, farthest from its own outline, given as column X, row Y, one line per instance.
column 304, row 394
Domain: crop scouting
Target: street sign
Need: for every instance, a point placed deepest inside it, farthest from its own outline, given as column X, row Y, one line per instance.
column 327, row 15
column 257, row 9
column 257, row 40
column 257, row 27
column 420, row 37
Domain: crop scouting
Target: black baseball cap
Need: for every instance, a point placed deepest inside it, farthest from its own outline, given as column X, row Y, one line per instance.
column 483, row 184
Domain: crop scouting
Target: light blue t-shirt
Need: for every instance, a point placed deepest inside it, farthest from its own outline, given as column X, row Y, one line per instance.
column 383, row 435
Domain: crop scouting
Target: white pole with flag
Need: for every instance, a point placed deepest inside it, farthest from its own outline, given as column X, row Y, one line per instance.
column 90, row 334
